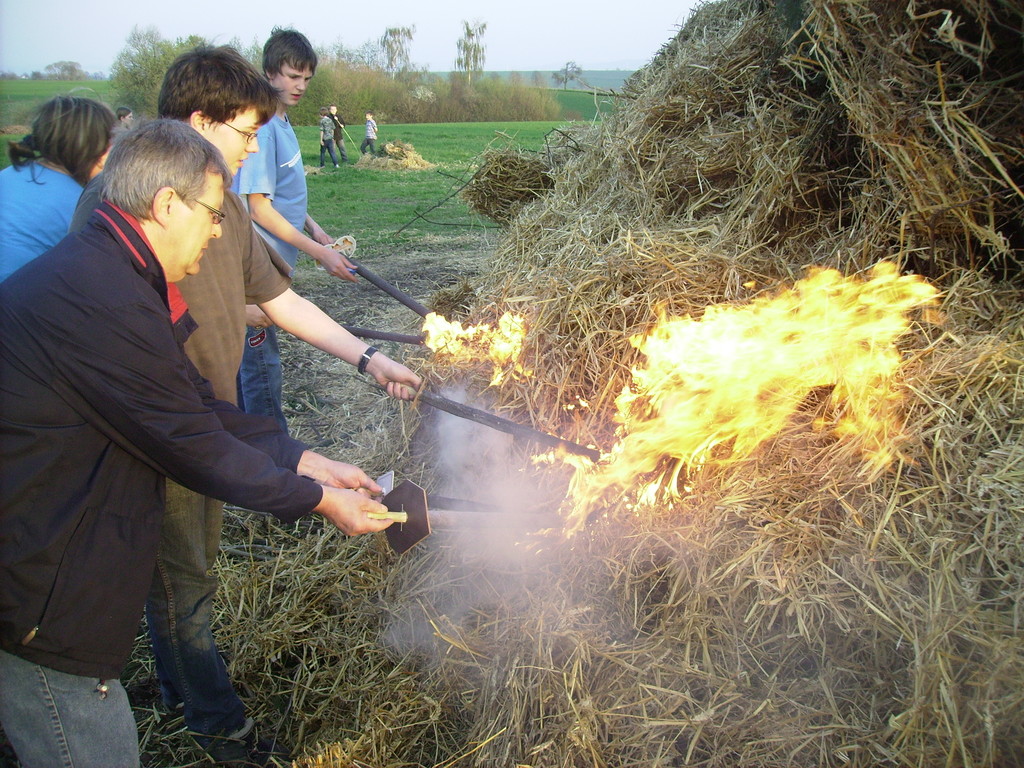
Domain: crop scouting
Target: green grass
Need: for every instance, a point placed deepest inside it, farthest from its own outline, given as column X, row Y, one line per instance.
column 388, row 209
column 394, row 208
column 582, row 105
column 19, row 97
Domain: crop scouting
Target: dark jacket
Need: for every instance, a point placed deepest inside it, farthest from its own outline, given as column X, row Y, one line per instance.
column 97, row 404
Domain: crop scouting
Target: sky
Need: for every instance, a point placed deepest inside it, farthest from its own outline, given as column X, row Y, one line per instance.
column 523, row 35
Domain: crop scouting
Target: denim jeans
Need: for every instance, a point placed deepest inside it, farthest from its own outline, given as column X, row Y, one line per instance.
column 190, row 669
column 259, row 377
column 328, row 146
column 368, row 145
column 57, row 720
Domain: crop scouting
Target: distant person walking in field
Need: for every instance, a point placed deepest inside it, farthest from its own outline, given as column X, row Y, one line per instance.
column 339, row 132
column 40, row 189
column 327, row 137
column 370, row 142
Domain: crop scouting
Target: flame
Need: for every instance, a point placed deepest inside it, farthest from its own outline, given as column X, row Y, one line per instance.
column 716, row 388
column 502, row 346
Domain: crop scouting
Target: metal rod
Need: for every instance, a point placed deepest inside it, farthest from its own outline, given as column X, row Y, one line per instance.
column 390, row 290
column 505, row 425
column 369, row 333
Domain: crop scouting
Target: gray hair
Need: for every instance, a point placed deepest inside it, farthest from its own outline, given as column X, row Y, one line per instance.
column 161, row 153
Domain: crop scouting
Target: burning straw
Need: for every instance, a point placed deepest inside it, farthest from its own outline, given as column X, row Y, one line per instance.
column 793, row 606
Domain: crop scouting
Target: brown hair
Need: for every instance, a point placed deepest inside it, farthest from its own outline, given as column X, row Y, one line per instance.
column 71, row 132
column 287, row 46
column 219, row 82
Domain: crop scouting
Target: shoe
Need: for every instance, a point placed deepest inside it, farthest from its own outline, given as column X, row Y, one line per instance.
column 243, row 749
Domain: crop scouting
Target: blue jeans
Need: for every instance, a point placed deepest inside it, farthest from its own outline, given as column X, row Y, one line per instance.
column 57, row 720
column 190, row 669
column 328, row 146
column 368, row 145
column 260, row 377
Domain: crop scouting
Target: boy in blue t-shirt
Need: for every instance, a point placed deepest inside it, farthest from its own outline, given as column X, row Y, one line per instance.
column 273, row 183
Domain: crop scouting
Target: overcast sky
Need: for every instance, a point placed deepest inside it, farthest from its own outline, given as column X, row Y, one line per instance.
column 523, row 35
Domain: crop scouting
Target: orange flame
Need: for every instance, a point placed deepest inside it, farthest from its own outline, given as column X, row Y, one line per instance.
column 733, row 378
column 502, row 346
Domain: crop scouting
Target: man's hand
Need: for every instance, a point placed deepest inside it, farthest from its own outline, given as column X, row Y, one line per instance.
column 347, row 510
column 317, row 232
column 399, row 382
column 256, row 317
column 335, row 473
column 332, row 261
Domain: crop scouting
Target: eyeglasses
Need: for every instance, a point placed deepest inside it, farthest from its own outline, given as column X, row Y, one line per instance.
column 249, row 137
column 218, row 216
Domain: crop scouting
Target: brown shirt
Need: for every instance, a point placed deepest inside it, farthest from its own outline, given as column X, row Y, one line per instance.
column 238, row 268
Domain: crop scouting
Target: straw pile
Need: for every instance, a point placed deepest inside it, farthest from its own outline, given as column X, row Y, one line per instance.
column 794, row 608
column 395, row 156
column 505, row 181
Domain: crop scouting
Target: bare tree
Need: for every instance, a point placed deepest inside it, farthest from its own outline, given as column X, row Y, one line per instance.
column 471, row 49
column 570, row 72
column 395, row 45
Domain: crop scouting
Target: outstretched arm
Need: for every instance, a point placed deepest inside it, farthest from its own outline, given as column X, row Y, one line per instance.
column 316, row 247
column 302, row 318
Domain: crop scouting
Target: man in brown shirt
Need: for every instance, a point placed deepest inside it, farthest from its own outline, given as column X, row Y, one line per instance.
column 226, row 100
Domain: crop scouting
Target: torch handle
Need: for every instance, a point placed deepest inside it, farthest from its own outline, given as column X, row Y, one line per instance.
column 505, row 425
column 370, row 333
column 390, row 290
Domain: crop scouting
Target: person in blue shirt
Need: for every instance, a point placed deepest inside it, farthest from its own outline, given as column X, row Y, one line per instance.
column 273, row 184
column 67, row 146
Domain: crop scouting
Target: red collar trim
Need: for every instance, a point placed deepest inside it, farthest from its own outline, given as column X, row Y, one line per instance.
column 175, row 301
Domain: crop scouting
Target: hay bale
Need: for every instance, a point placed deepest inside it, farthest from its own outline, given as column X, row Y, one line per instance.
column 505, row 181
column 791, row 607
column 395, row 156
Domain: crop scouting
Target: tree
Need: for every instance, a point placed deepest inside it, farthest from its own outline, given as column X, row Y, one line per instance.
column 567, row 74
column 395, row 45
column 471, row 49
column 139, row 68
column 64, row 70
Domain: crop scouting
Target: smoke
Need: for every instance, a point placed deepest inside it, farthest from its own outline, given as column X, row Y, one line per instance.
column 485, row 540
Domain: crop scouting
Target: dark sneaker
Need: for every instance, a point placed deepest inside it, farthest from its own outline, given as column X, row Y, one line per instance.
column 243, row 749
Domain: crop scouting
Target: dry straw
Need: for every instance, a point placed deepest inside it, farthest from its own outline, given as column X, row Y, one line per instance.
column 505, row 181
column 395, row 156
column 793, row 609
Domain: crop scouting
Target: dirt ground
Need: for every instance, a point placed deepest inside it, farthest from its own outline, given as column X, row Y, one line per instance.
column 324, row 397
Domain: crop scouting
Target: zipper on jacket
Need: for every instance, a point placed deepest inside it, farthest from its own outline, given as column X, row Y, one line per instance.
column 30, row 636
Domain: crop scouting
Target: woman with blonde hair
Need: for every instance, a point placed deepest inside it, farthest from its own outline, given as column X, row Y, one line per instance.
column 67, row 146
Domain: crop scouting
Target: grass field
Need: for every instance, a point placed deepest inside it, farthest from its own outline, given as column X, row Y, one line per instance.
column 19, row 97
column 393, row 207
column 398, row 207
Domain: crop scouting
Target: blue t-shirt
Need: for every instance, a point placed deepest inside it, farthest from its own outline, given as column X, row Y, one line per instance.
column 277, row 171
column 36, row 205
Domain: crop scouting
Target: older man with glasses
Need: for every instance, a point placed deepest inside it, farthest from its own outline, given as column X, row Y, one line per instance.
column 100, row 404
column 225, row 100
